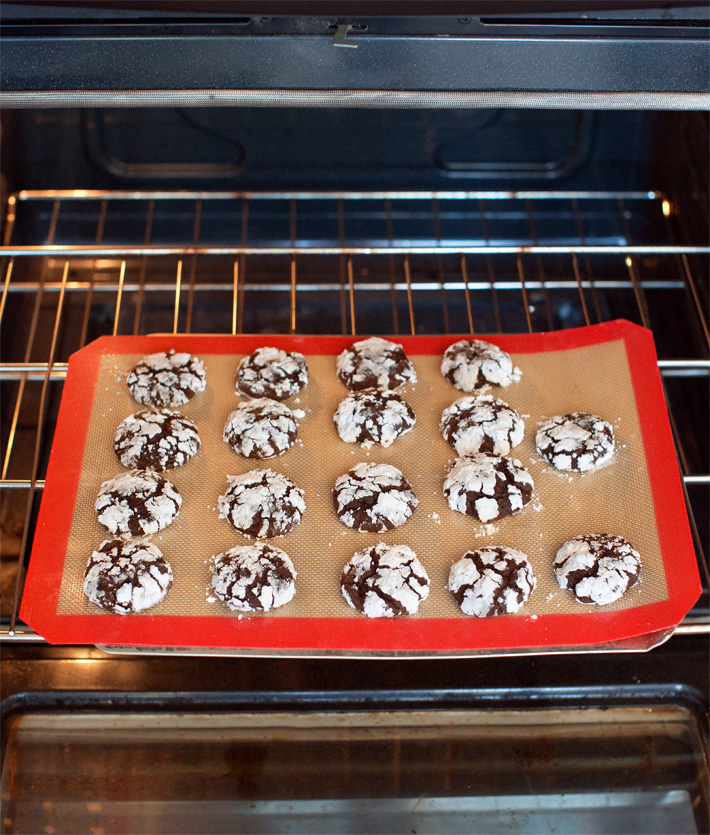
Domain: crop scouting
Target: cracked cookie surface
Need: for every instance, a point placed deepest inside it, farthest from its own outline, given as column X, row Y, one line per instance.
column 262, row 504
column 488, row 486
column 156, row 440
column 271, row 372
column 127, row 576
column 370, row 416
column 598, row 568
column 385, row 581
column 473, row 365
column 491, row 581
column 253, row 578
column 373, row 498
column 375, row 363
column 261, row 428
column 575, row 441
column 137, row 503
column 166, row 379
column 481, row 424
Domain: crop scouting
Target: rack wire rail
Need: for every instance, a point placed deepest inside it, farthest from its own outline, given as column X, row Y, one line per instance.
column 80, row 264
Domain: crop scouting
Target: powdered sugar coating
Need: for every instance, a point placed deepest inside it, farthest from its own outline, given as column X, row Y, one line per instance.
column 373, row 497
column 262, row 504
column 599, row 568
column 472, row 365
column 137, row 503
column 273, row 373
column 252, row 578
column 384, row 581
column 127, row 576
column 488, row 486
column 375, row 363
column 158, row 440
column 490, row 581
column 166, row 379
column 261, row 428
column 576, row 441
column 481, row 424
column 370, row 416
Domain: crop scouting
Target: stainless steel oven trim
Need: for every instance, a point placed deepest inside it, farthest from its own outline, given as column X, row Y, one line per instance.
column 641, row 100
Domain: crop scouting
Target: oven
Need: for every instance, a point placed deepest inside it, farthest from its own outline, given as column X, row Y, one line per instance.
column 296, row 168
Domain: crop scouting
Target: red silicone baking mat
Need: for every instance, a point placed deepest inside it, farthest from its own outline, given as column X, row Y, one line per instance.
column 607, row 369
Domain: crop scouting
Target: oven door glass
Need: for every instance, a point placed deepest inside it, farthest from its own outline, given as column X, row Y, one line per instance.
column 616, row 769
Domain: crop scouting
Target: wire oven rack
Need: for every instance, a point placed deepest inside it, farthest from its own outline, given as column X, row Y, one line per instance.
column 80, row 264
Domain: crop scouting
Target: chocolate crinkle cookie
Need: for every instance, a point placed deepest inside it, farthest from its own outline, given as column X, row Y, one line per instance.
column 597, row 567
column 253, row 578
column 481, row 424
column 273, row 373
column 262, row 504
column 261, row 428
column 374, row 498
column 137, row 503
column 166, row 379
column 488, row 486
column 472, row 365
column 156, row 440
column 370, row 416
column 375, row 363
column 576, row 441
column 491, row 581
column 127, row 576
column 384, row 581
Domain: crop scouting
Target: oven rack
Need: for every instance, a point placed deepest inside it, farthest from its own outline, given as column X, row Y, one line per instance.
column 80, row 264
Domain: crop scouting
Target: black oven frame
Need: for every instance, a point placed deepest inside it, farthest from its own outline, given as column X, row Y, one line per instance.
column 564, row 53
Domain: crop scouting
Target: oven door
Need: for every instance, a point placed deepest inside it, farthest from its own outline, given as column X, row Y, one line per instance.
column 540, row 761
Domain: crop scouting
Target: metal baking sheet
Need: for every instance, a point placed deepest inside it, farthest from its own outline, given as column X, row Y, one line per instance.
column 607, row 369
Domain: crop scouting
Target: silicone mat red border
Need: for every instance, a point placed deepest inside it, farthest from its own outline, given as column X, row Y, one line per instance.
column 347, row 635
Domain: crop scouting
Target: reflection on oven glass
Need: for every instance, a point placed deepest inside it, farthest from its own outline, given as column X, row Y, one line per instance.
column 621, row 769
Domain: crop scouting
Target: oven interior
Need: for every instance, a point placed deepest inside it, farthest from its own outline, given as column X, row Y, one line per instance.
column 355, row 222
column 315, row 221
